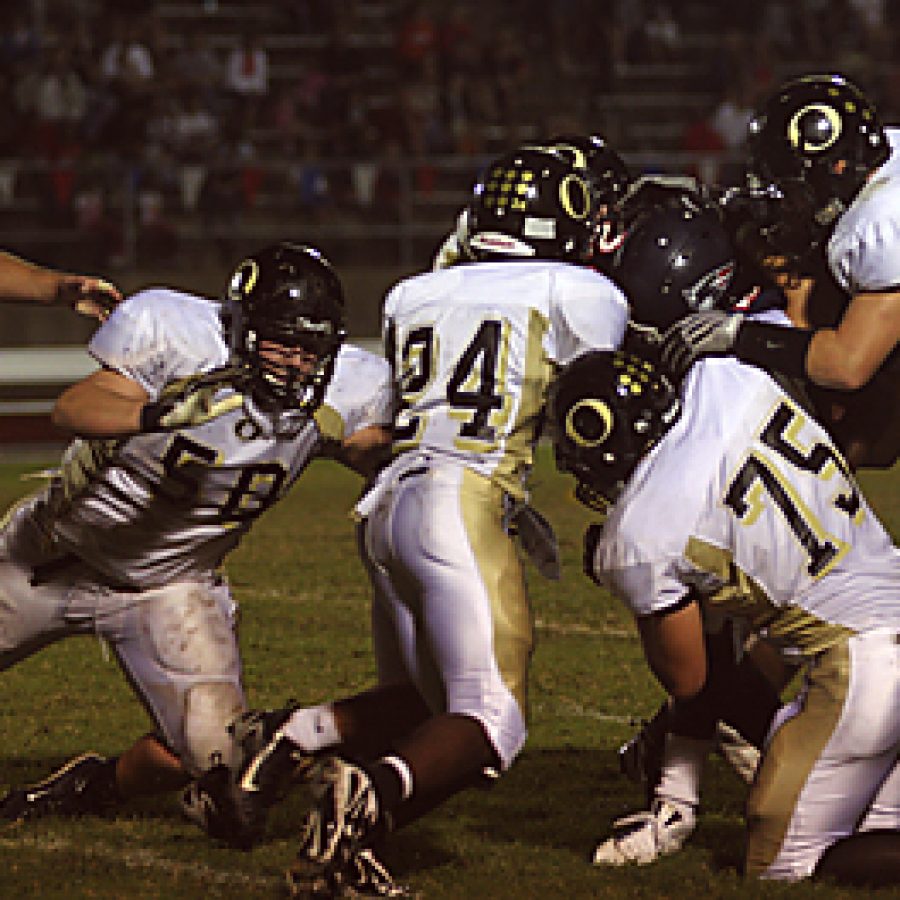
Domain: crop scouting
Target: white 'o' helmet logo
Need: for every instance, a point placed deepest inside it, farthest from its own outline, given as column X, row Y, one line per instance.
column 815, row 143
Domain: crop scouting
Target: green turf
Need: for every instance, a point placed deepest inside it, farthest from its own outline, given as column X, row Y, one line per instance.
column 304, row 634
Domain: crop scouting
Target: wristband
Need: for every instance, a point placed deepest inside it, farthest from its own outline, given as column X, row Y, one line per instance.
column 773, row 347
column 152, row 414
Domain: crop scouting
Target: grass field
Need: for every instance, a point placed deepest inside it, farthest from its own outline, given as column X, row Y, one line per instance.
column 304, row 634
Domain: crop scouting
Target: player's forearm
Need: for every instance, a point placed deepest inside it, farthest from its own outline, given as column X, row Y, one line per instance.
column 846, row 357
column 21, row 280
column 834, row 362
column 367, row 450
column 84, row 416
column 823, row 356
column 674, row 647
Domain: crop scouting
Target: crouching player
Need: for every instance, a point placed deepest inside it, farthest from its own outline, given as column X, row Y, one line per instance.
column 731, row 498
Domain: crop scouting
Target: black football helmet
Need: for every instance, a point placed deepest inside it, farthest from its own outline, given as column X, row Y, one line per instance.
column 677, row 258
column 290, row 295
column 605, row 411
column 609, row 174
column 817, row 138
column 531, row 203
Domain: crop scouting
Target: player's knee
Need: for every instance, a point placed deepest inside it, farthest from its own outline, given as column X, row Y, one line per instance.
column 505, row 728
column 867, row 859
column 209, row 708
column 192, row 632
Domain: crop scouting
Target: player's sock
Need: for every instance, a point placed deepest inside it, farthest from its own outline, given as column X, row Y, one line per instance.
column 313, row 728
column 682, row 769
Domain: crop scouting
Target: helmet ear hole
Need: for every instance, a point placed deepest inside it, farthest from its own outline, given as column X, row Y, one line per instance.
column 608, row 172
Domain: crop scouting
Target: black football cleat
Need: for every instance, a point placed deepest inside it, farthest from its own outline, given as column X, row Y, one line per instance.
column 83, row 786
column 234, row 808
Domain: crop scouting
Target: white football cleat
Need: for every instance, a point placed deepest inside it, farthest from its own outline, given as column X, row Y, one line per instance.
column 645, row 836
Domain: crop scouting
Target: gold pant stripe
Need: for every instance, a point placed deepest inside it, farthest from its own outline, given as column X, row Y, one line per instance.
column 481, row 502
column 791, row 755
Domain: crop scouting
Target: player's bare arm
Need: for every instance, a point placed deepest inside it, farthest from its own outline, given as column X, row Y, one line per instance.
column 102, row 405
column 673, row 645
column 846, row 357
column 366, row 450
column 24, row 281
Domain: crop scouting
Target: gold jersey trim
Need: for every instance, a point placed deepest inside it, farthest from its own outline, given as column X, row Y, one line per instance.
column 742, row 596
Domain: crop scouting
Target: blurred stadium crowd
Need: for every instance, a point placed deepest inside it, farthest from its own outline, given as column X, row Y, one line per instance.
column 135, row 126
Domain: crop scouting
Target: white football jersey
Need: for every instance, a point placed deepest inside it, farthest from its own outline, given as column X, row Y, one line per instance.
column 474, row 347
column 864, row 249
column 747, row 504
column 165, row 505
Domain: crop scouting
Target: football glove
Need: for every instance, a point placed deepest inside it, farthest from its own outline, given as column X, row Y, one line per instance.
column 89, row 296
column 708, row 333
column 538, row 541
column 197, row 408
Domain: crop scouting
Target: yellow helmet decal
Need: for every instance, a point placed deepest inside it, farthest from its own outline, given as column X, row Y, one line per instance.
column 244, row 279
column 574, row 192
column 598, row 407
column 834, row 119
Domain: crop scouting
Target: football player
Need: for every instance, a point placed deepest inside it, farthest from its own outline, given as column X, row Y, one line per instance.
column 677, row 258
column 727, row 498
column 826, row 171
column 473, row 348
column 24, row 281
column 200, row 418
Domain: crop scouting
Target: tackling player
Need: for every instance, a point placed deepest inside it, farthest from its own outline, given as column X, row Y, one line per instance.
column 729, row 499
column 828, row 171
column 473, row 348
column 201, row 417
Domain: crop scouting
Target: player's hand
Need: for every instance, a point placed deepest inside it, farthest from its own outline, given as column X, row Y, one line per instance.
column 539, row 541
column 709, row 333
column 87, row 295
column 591, row 539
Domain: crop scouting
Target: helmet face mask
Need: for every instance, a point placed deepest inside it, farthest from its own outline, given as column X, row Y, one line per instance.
column 286, row 295
column 818, row 138
column 606, row 410
column 531, row 204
